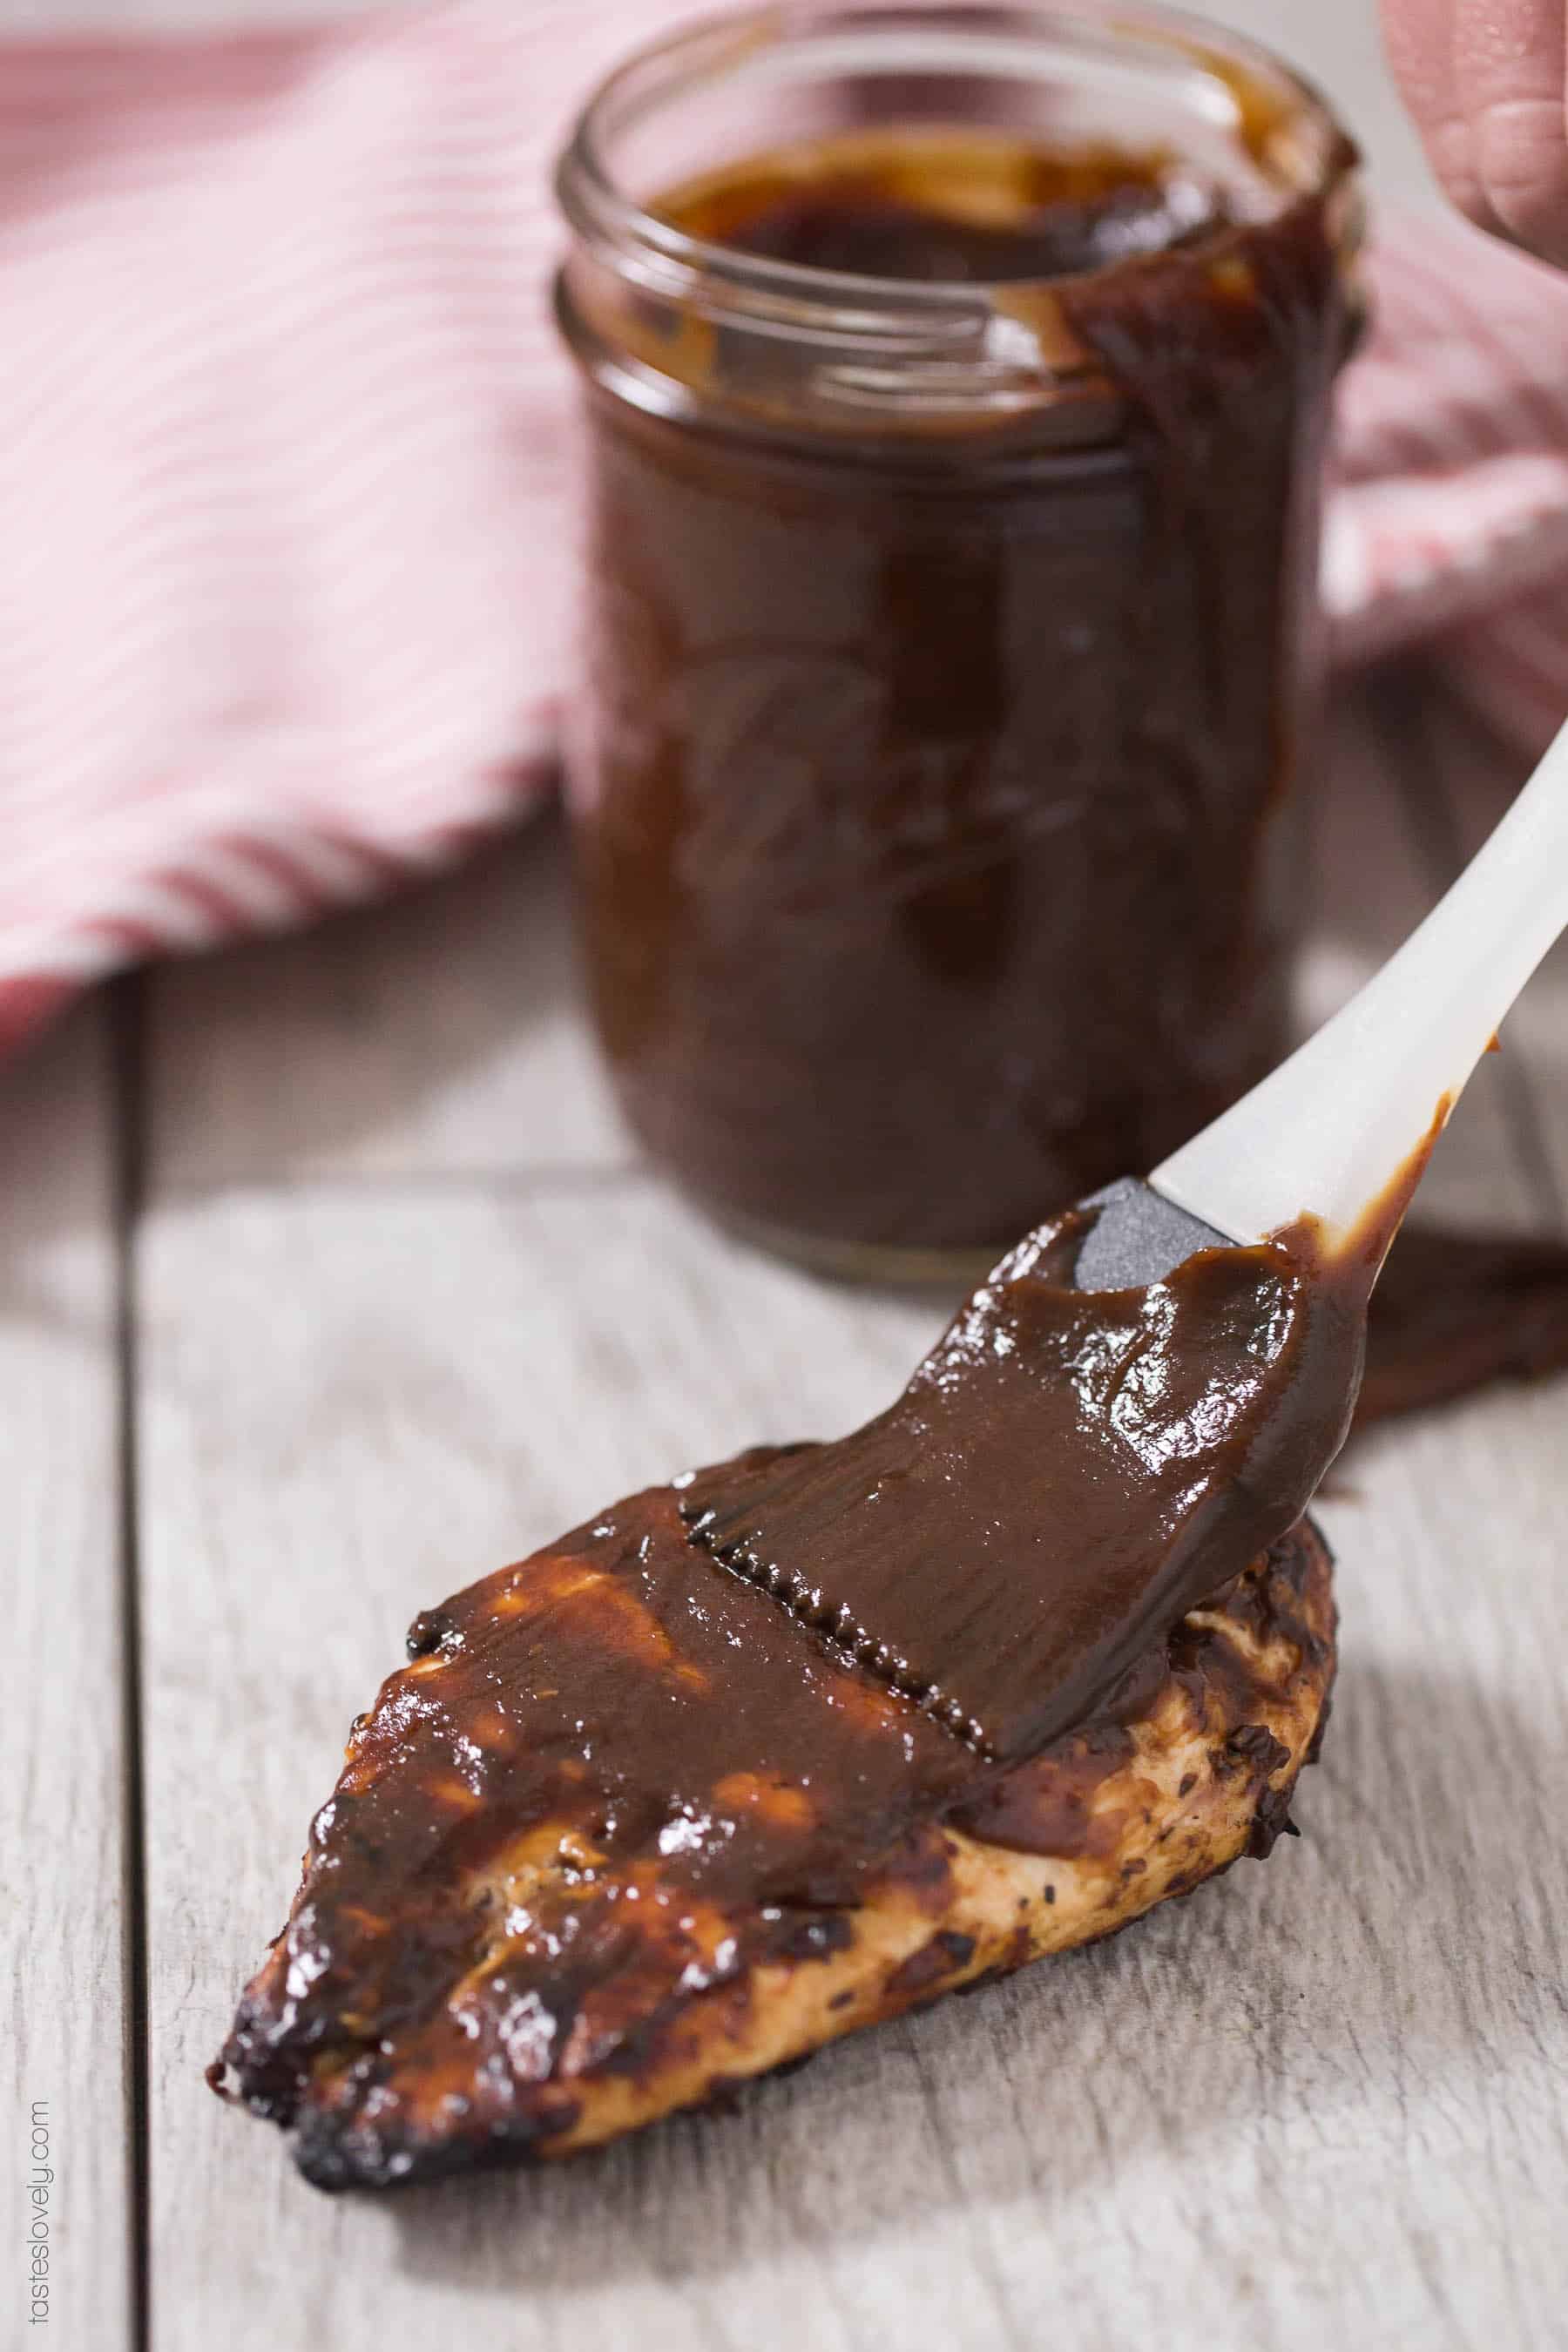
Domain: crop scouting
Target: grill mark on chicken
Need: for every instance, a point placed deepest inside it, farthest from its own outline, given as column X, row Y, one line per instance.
column 626, row 1830
column 623, row 1833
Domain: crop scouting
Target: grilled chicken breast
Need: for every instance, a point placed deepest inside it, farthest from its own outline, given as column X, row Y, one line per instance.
column 624, row 1831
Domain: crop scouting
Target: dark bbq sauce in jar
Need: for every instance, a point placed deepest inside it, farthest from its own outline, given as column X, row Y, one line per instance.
column 934, row 825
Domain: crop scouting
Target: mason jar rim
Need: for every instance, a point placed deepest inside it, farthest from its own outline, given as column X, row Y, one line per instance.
column 884, row 316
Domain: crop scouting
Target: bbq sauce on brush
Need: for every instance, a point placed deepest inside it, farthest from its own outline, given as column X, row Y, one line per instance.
column 1066, row 1475
column 662, row 1779
column 667, row 1780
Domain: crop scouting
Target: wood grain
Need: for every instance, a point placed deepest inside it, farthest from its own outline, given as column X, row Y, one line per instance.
column 62, row 1845
column 353, row 1404
column 434, row 1035
column 1320, row 2099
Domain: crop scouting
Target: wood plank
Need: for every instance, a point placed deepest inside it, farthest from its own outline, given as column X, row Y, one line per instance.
column 353, row 1404
column 437, row 1036
column 1315, row 2101
column 62, row 1842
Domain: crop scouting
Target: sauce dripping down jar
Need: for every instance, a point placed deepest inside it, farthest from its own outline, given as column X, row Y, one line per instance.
column 954, row 474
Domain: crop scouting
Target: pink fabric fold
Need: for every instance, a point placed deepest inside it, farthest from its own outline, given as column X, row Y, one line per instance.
column 283, row 611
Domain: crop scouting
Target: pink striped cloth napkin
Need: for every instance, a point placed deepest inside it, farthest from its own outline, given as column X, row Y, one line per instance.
column 282, row 608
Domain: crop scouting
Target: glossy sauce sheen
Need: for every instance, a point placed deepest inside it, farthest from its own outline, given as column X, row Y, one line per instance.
column 638, row 1775
column 643, row 1781
column 1066, row 1475
column 967, row 212
column 618, row 1776
column 656, row 1777
column 935, row 831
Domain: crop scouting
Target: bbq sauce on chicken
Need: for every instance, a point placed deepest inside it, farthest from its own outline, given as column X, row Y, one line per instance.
column 659, row 1779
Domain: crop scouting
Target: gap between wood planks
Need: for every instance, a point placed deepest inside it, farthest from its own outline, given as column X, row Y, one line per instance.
column 126, row 1027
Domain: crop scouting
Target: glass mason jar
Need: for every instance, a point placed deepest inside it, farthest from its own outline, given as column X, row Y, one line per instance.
column 953, row 473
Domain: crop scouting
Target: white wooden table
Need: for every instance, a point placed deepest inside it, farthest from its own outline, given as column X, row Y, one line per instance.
column 327, row 1281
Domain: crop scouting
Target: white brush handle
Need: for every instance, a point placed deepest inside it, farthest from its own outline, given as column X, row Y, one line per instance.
column 1328, row 1128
